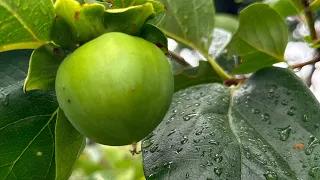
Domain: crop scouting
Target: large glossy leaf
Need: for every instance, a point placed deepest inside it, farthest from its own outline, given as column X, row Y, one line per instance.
column 261, row 39
column 43, row 68
column 69, row 144
column 194, row 140
column 276, row 119
column 26, row 123
column 268, row 130
column 25, row 24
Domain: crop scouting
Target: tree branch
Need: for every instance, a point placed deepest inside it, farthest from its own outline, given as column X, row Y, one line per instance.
column 313, row 61
column 310, row 19
column 178, row 58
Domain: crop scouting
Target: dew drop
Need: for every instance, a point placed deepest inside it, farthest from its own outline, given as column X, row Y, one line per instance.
column 214, row 142
column 184, row 140
column 196, row 140
column 172, row 132
column 217, row 171
column 154, row 148
column 199, row 132
column 314, row 171
column 187, row 175
column 178, row 151
column 167, row 165
column 147, row 143
column 291, row 111
column 209, row 163
column 284, row 133
column 313, row 142
column 187, row 106
column 270, row 175
column 217, row 158
column 4, row 98
column 305, row 117
column 255, row 111
column 189, row 116
column 285, row 102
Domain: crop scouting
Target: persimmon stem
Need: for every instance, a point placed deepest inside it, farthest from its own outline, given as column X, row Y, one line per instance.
column 134, row 149
column 231, row 82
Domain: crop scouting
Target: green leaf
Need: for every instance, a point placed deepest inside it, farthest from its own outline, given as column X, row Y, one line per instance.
column 261, row 39
column 69, row 145
column 227, row 22
column 151, row 33
column 26, row 123
column 194, row 140
column 315, row 5
column 25, row 24
column 121, row 3
column 194, row 76
column 191, row 23
column 284, row 7
column 276, row 117
column 43, row 68
column 268, row 130
column 84, row 21
column 128, row 20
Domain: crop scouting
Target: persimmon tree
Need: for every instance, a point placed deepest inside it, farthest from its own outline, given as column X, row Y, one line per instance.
column 233, row 115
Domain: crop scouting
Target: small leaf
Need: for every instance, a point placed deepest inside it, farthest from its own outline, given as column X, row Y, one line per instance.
column 153, row 34
column 284, row 7
column 261, row 39
column 128, row 20
column 194, row 140
column 25, row 24
column 194, row 76
column 231, row 25
column 43, row 68
column 85, row 21
column 69, row 145
column 191, row 22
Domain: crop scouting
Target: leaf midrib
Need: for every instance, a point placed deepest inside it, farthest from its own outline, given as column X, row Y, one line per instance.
column 52, row 116
column 20, row 20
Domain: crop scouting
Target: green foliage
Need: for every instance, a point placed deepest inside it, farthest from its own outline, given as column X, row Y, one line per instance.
column 68, row 146
column 43, row 66
column 284, row 7
column 258, row 130
column 263, row 127
column 261, row 39
column 31, row 30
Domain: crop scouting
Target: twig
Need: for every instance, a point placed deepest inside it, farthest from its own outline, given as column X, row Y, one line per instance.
column 231, row 82
column 178, row 58
column 313, row 61
column 310, row 19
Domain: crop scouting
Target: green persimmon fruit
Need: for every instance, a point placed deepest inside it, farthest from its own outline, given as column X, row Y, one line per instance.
column 115, row 89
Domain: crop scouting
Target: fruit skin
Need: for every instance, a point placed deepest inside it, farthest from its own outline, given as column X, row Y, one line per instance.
column 115, row 89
